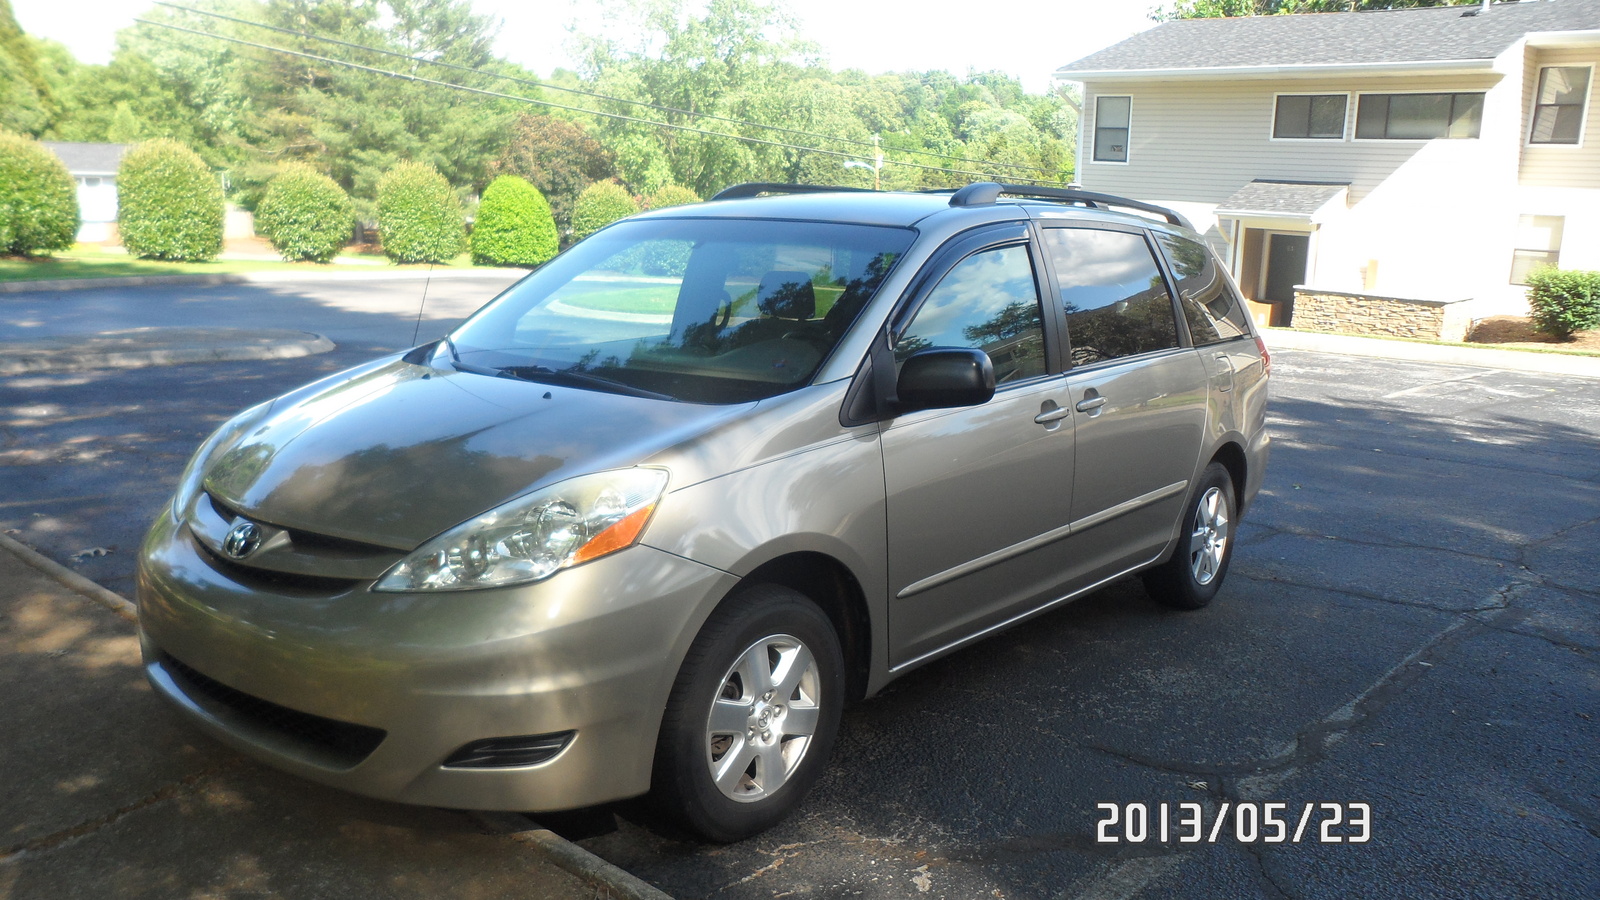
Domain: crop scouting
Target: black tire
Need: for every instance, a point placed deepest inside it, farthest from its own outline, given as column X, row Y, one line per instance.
column 723, row 671
column 1192, row 575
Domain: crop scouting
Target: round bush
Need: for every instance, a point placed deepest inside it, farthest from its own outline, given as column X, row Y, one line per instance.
column 1563, row 301
column 671, row 195
column 514, row 226
column 305, row 214
column 169, row 203
column 38, row 200
column 419, row 217
column 599, row 205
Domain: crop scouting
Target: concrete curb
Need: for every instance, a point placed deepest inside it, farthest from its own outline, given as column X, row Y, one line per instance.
column 110, row 600
column 1415, row 351
column 140, row 347
column 84, row 284
column 614, row 881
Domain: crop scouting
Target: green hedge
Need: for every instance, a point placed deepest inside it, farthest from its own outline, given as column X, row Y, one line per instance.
column 38, row 199
column 419, row 217
column 1564, row 301
column 514, row 225
column 305, row 214
column 169, row 203
column 599, row 205
column 671, row 195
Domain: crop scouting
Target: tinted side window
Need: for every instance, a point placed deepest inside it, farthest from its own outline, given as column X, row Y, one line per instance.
column 988, row 302
column 1116, row 300
column 1209, row 304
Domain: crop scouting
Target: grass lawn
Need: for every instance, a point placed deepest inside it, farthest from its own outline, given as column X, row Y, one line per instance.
column 96, row 263
column 659, row 299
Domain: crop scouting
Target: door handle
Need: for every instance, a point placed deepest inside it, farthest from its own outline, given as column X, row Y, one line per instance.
column 1052, row 415
column 1089, row 403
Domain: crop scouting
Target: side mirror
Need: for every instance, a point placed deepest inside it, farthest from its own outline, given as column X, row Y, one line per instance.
column 941, row 378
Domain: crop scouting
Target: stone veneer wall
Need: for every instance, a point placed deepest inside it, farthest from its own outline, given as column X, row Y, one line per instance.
column 1349, row 313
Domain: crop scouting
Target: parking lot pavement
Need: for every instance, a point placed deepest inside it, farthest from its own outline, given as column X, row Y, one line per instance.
column 1410, row 623
column 107, row 794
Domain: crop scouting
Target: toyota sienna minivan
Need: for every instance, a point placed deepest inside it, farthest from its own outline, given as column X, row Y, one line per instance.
column 648, row 520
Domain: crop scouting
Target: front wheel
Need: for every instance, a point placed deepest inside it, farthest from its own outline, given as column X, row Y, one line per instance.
column 752, row 716
column 1191, row 577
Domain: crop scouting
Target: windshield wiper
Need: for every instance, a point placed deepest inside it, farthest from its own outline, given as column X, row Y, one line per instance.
column 579, row 379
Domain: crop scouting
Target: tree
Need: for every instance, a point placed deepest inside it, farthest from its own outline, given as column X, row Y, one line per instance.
column 419, row 217
column 514, row 225
column 38, row 199
column 557, row 157
column 671, row 195
column 1216, row 9
column 26, row 105
column 169, row 203
column 599, row 205
column 305, row 214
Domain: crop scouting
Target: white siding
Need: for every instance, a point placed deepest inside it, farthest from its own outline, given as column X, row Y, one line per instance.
column 1553, row 165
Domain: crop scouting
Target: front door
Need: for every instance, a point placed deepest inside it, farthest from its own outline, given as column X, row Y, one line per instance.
column 978, row 497
column 1286, row 267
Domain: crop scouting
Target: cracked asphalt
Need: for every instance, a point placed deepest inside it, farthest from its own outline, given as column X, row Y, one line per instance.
column 1412, row 622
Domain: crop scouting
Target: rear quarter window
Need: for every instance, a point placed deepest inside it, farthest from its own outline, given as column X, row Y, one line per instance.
column 1209, row 303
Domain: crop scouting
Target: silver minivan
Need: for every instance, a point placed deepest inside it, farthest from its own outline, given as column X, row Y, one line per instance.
column 648, row 520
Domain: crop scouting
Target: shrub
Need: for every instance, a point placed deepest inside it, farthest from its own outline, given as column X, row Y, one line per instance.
column 169, row 203
column 671, row 195
column 305, row 214
column 599, row 205
column 514, row 225
column 419, row 217
column 38, row 200
column 1563, row 301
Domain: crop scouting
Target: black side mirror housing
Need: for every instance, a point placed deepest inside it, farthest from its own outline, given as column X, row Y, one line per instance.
column 944, row 377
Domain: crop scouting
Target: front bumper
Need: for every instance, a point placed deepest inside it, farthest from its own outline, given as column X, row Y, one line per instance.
column 593, row 651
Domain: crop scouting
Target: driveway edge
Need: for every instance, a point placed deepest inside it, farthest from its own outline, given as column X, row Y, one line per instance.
column 615, row 881
column 1487, row 357
column 109, row 599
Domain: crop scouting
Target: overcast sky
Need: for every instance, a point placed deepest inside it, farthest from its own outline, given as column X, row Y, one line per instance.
column 1025, row 38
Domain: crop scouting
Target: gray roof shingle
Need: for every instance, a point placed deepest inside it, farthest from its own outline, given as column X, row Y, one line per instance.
column 1436, row 34
column 1284, row 198
column 88, row 159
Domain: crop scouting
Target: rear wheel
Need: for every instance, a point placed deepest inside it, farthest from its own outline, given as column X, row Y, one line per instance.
column 752, row 716
column 1191, row 577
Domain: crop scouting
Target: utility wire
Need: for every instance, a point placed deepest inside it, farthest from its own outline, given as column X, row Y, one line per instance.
column 504, row 96
column 556, row 87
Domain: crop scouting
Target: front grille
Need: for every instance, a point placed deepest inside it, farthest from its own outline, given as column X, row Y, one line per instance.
column 341, row 744
column 509, row 752
column 275, row 581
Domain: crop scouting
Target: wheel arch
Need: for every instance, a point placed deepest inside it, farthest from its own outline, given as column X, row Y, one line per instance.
column 831, row 585
column 1232, row 457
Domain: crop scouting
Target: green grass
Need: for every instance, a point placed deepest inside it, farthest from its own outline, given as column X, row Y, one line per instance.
column 86, row 263
column 1554, row 349
column 659, row 299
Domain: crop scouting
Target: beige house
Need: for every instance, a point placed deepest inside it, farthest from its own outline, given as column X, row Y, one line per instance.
column 1402, row 168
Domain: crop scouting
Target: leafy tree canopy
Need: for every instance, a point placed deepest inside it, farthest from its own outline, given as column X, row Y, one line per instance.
column 1216, row 9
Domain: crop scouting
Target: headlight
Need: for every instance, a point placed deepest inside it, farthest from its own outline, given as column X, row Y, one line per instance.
column 534, row 537
column 194, row 473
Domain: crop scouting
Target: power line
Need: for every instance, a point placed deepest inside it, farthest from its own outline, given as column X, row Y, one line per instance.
column 556, row 87
column 504, row 96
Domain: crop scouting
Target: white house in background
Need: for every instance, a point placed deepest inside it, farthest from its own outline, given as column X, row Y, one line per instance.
column 94, row 168
column 1428, row 154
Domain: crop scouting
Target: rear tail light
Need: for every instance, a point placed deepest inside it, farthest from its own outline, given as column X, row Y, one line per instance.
column 1266, row 358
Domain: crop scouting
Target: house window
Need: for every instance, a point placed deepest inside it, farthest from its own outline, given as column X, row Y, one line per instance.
column 1418, row 117
column 1310, row 116
column 1538, row 245
column 1558, row 109
column 1111, row 117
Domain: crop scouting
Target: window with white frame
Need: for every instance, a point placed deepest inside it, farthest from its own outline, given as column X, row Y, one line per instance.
column 1310, row 116
column 1112, row 116
column 1538, row 245
column 1418, row 117
column 1559, row 104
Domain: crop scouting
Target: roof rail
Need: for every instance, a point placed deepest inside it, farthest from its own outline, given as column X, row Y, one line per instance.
column 757, row 188
column 984, row 193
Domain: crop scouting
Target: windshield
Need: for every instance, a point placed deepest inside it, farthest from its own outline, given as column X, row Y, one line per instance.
column 701, row 310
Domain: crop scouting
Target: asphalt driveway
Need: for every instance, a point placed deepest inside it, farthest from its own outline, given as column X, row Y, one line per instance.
column 1410, row 623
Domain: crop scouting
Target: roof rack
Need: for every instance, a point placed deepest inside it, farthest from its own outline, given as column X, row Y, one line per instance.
column 757, row 188
column 985, row 193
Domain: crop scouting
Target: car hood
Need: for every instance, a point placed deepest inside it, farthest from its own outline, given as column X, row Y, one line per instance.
column 400, row 452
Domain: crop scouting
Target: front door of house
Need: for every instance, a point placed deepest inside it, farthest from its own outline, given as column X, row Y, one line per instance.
column 1286, row 265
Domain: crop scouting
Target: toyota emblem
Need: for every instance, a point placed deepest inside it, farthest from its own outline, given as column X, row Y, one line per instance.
column 243, row 539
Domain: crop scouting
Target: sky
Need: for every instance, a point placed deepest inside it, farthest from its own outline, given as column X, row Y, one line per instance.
column 1028, row 39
